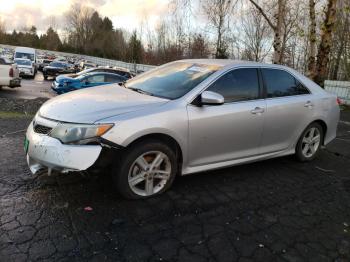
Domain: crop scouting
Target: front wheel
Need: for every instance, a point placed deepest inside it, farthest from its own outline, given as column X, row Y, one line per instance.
column 145, row 169
column 309, row 143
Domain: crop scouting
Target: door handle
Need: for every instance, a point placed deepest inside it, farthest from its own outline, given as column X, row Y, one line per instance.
column 257, row 110
column 308, row 104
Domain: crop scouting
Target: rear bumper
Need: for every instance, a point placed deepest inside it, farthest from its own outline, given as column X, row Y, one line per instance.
column 52, row 73
column 16, row 82
column 47, row 152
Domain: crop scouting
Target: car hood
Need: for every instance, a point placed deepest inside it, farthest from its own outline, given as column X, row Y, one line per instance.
column 24, row 66
column 90, row 105
column 62, row 79
column 53, row 67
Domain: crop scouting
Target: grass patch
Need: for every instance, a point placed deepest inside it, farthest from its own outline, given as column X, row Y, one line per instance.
column 5, row 114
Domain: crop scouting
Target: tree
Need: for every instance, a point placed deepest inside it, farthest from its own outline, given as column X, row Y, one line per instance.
column 78, row 21
column 2, row 31
column 325, row 43
column 50, row 40
column 134, row 49
column 312, row 40
column 276, row 27
column 218, row 13
column 199, row 47
column 256, row 34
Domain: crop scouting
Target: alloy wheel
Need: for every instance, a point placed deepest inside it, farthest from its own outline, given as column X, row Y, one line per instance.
column 311, row 142
column 149, row 173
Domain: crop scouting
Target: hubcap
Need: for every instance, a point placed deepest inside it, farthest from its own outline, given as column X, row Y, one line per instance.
column 311, row 142
column 149, row 173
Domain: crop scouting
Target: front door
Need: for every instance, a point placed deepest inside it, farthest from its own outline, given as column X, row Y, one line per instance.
column 230, row 131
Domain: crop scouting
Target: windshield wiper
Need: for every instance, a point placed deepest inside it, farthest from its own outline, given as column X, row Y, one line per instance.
column 140, row 91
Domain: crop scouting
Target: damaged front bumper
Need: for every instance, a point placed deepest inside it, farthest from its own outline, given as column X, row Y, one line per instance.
column 45, row 152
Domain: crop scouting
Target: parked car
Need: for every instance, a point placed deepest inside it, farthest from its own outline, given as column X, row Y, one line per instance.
column 44, row 62
column 183, row 117
column 114, row 70
column 28, row 53
column 86, row 65
column 56, row 68
column 66, row 84
column 26, row 67
column 9, row 73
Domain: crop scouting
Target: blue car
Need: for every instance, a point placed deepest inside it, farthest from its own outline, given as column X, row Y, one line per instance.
column 65, row 84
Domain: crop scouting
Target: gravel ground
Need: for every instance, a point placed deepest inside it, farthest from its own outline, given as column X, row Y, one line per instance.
column 275, row 210
column 30, row 89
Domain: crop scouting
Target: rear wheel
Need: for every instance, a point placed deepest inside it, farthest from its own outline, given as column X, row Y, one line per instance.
column 309, row 143
column 45, row 77
column 146, row 169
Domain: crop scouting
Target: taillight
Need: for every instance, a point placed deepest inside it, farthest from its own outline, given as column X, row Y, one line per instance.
column 11, row 72
column 339, row 102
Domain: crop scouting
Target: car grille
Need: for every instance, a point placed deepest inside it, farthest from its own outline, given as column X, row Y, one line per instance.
column 42, row 129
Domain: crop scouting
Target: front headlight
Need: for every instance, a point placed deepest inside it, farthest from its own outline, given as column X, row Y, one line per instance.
column 68, row 133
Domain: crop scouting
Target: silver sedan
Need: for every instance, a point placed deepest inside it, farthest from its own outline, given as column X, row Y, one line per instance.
column 181, row 118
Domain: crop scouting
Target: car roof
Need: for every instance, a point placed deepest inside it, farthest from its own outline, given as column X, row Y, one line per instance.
column 222, row 62
column 101, row 73
column 23, row 59
column 113, row 68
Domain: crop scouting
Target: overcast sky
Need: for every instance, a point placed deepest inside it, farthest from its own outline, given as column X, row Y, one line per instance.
column 126, row 14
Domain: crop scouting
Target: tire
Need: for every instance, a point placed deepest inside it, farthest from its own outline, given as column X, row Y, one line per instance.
column 308, row 148
column 45, row 77
column 126, row 169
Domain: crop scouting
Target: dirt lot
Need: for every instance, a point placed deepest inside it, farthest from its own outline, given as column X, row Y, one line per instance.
column 276, row 210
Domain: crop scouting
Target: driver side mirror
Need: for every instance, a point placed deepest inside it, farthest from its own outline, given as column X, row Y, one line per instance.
column 210, row 98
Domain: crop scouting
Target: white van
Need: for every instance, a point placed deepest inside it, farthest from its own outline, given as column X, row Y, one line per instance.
column 27, row 53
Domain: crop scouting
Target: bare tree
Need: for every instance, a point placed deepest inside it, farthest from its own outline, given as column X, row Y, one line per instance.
column 218, row 13
column 341, row 41
column 312, row 39
column 256, row 34
column 79, row 26
column 326, row 42
column 276, row 27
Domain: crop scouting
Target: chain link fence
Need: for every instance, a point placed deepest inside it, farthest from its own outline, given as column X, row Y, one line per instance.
column 135, row 68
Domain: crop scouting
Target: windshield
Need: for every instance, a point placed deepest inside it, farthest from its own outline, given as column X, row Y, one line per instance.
column 55, row 64
column 23, row 62
column 25, row 55
column 173, row 80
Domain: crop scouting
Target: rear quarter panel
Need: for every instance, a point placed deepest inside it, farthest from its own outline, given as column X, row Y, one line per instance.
column 4, row 75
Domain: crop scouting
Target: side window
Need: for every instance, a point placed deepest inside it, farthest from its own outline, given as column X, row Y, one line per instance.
column 95, row 79
column 280, row 83
column 301, row 89
column 112, row 78
column 238, row 85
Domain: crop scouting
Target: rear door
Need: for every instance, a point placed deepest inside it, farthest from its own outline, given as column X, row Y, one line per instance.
column 289, row 106
column 230, row 131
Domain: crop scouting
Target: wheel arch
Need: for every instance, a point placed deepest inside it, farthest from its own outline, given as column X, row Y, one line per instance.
column 323, row 124
column 166, row 139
